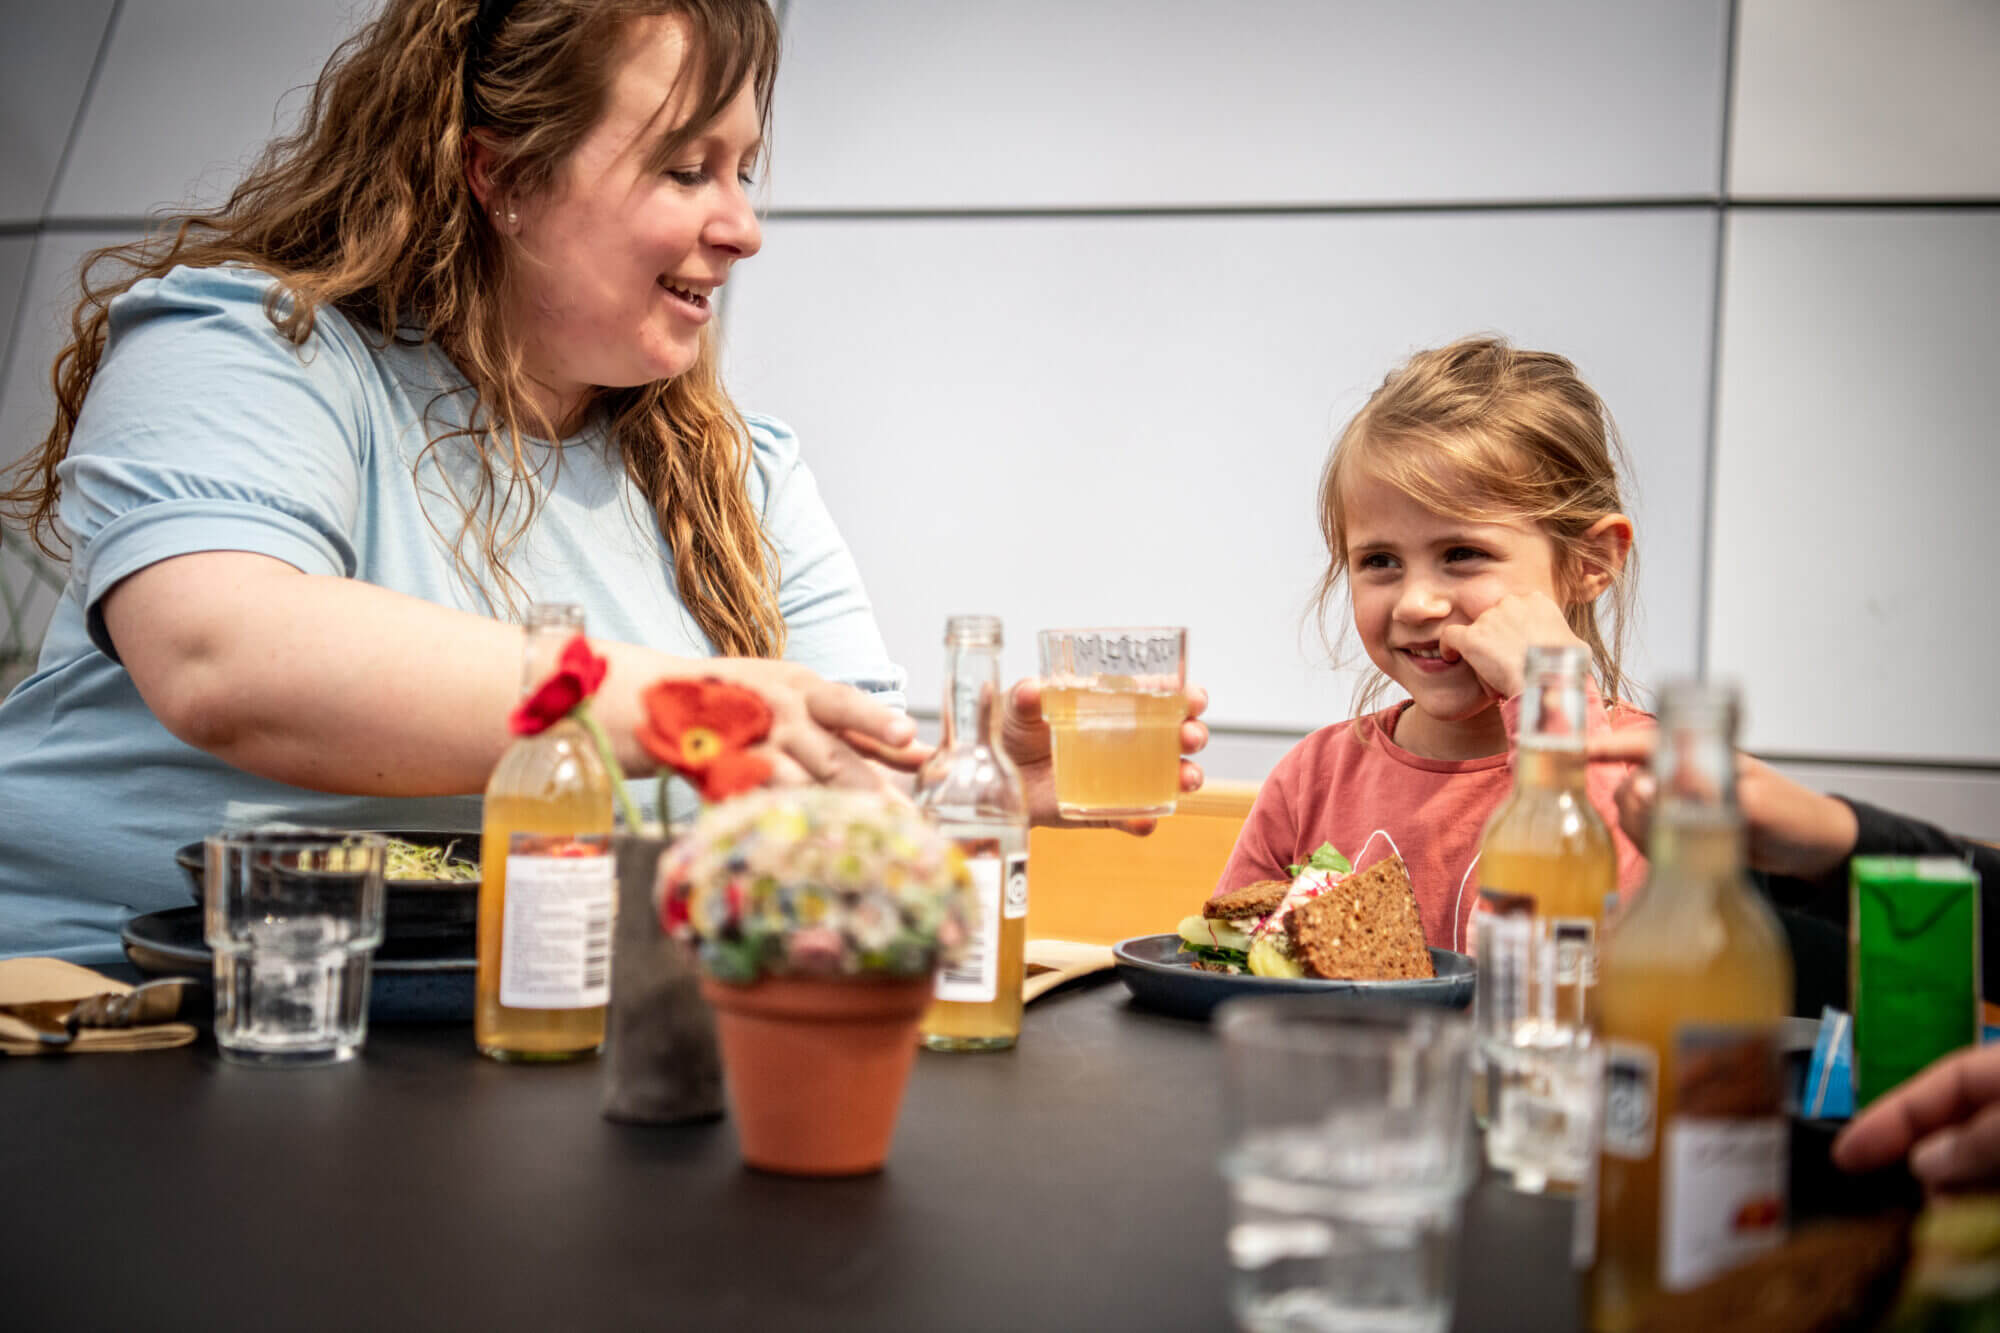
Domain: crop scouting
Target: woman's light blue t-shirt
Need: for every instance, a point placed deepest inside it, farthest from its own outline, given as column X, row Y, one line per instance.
column 207, row 430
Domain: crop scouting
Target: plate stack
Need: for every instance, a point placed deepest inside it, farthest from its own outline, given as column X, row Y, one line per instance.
column 423, row 972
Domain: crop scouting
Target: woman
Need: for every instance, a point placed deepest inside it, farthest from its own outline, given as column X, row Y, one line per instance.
column 445, row 351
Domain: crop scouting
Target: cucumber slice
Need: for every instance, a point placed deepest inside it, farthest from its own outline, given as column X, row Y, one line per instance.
column 1268, row 958
column 1198, row 929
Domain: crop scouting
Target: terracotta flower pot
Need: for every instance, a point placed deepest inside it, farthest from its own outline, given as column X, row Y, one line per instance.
column 816, row 1067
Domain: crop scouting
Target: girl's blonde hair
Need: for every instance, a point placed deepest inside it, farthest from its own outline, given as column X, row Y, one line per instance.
column 1483, row 430
column 367, row 209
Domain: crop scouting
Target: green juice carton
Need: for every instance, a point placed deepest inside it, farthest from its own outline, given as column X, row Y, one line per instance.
column 1914, row 936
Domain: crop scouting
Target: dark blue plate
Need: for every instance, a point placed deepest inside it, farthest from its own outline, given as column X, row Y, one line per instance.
column 410, row 981
column 1161, row 977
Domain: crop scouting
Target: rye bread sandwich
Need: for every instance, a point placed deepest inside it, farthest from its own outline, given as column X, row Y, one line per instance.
column 1229, row 925
column 1363, row 927
column 1328, row 922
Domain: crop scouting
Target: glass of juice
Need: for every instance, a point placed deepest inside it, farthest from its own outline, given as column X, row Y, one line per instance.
column 1114, row 704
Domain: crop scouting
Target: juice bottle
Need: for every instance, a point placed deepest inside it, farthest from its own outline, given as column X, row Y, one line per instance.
column 1695, row 982
column 546, row 889
column 1547, row 865
column 1547, row 845
column 971, row 790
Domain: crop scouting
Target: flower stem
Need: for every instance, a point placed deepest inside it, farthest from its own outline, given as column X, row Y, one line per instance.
column 610, row 757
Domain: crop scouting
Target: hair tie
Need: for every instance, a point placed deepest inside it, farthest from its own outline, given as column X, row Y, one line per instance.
column 485, row 25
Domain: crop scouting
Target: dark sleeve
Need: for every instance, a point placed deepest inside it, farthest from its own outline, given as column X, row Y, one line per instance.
column 1885, row 833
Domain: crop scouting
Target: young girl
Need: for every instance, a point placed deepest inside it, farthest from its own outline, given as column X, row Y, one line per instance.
column 1472, row 509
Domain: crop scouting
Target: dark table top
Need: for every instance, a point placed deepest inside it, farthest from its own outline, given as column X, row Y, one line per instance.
column 1068, row 1184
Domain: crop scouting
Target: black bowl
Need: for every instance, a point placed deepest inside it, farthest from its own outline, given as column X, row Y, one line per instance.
column 412, row 908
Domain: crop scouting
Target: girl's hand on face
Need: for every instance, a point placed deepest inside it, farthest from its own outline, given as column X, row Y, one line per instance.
column 1496, row 644
column 1025, row 737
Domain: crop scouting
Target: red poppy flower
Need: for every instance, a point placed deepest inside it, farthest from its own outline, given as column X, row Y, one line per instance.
column 577, row 675
column 674, row 911
column 703, row 730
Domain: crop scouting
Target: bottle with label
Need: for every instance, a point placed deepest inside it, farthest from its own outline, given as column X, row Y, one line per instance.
column 1547, row 865
column 971, row 790
column 546, row 890
column 1695, row 984
column 1547, row 847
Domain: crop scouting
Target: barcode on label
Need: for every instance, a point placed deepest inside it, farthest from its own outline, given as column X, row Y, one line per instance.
column 596, row 950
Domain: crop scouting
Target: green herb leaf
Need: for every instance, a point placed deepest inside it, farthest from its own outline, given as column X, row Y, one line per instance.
column 1212, row 954
column 1324, row 857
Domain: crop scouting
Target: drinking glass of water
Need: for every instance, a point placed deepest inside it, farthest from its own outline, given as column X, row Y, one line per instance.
column 1535, row 1061
column 1350, row 1154
column 292, row 917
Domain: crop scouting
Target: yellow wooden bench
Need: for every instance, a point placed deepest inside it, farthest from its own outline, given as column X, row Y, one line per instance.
column 1099, row 886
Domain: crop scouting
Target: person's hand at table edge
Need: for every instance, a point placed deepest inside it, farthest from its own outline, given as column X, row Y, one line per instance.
column 905, row 758
column 1025, row 737
column 823, row 731
column 1793, row 830
column 1947, row 1119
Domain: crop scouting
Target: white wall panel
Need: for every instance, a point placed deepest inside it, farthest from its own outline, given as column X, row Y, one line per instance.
column 15, row 252
column 1856, row 481
column 1863, row 100
column 888, row 104
column 44, row 66
column 33, row 590
column 27, row 597
column 27, row 405
column 189, row 93
column 1122, row 420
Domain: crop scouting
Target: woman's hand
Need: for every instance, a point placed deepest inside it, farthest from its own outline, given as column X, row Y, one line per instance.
column 1793, row 830
column 824, row 732
column 1947, row 1119
column 1025, row 737
column 1496, row 644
